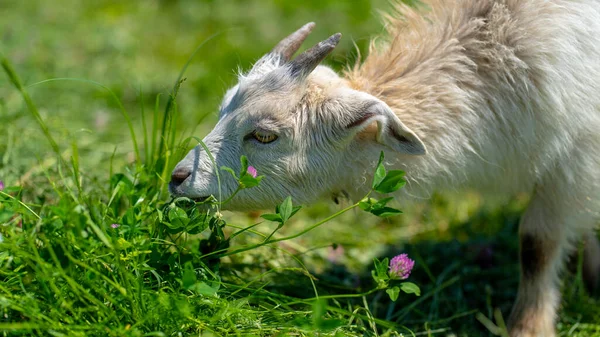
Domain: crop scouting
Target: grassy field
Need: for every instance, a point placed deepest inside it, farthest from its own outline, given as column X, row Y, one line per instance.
column 93, row 116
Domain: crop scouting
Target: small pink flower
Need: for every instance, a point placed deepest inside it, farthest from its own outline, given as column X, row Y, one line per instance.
column 115, row 225
column 252, row 171
column 400, row 267
column 1, row 185
column 335, row 253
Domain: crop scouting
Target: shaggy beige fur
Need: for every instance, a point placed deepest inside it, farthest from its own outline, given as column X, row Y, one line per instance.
column 514, row 84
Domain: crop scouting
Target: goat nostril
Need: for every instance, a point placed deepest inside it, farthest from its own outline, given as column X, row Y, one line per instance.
column 179, row 175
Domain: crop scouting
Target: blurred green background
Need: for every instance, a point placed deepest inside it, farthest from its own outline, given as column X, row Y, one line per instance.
column 135, row 47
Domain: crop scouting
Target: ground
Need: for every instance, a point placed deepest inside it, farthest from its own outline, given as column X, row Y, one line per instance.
column 92, row 245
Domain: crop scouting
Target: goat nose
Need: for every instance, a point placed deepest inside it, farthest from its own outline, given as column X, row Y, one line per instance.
column 179, row 175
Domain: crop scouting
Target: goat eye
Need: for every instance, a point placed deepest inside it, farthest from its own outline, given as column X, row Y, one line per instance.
column 264, row 137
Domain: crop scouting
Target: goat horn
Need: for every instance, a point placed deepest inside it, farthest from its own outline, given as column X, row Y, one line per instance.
column 306, row 62
column 290, row 45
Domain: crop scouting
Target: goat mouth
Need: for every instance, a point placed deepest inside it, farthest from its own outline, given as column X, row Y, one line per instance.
column 201, row 199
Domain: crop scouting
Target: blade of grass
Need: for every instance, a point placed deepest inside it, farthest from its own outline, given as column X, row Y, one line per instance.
column 153, row 150
column 214, row 164
column 145, row 129
column 16, row 81
column 75, row 165
column 22, row 204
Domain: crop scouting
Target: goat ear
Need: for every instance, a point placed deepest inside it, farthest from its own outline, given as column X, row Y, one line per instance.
column 390, row 130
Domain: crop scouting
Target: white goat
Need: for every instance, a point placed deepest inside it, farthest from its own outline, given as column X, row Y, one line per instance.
column 498, row 95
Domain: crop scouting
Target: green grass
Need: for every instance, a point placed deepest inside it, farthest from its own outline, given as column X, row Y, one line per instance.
column 94, row 146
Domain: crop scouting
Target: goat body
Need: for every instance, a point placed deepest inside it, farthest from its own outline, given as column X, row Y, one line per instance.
column 506, row 97
column 501, row 96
